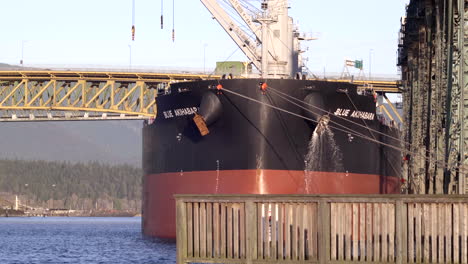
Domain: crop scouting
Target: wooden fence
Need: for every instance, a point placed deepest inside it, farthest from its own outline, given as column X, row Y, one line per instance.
column 322, row 229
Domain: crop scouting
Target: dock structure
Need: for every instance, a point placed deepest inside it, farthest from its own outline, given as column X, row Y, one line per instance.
column 433, row 56
column 322, row 229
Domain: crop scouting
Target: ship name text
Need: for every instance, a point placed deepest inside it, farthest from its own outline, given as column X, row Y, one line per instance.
column 354, row 114
column 180, row 112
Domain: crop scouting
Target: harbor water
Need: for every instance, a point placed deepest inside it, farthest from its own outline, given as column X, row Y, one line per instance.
column 80, row 240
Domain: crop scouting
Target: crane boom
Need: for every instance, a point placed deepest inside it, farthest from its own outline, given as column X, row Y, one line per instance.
column 234, row 31
column 247, row 19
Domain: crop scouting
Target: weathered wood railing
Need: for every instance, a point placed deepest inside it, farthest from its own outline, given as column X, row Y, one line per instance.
column 322, row 229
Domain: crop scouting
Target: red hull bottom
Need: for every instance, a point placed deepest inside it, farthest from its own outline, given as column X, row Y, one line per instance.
column 159, row 203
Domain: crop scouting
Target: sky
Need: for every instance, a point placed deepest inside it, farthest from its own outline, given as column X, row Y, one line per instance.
column 97, row 34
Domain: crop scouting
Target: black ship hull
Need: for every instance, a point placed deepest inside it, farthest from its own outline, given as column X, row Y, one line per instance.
column 262, row 141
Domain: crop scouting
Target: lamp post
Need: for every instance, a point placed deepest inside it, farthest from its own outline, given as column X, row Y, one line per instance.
column 204, row 57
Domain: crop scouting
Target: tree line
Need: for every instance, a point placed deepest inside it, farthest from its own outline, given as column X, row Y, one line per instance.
column 69, row 185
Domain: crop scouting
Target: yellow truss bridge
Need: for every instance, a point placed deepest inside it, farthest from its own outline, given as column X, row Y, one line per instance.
column 72, row 95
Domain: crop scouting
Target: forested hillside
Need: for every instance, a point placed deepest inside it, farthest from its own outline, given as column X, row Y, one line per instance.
column 72, row 185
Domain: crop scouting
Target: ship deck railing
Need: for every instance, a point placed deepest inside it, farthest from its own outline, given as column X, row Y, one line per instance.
column 322, row 229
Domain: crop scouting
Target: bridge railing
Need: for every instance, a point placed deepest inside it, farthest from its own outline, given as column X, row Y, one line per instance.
column 321, row 229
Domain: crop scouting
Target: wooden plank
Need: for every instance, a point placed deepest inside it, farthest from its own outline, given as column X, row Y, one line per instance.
column 300, row 227
column 216, row 230
column 355, row 235
column 418, row 227
column 456, row 233
column 287, row 232
column 203, row 230
column 266, row 230
column 311, row 235
column 209, row 230
column 411, row 251
column 464, row 233
column 401, row 230
column 323, row 229
column 368, row 232
column 235, row 216
column 181, row 231
column 427, row 232
column 348, row 230
column 196, row 230
column 260, row 230
column 223, row 248
column 391, row 232
column 463, row 230
column 448, row 232
column 189, row 230
column 376, row 231
column 229, row 227
column 340, row 227
column 362, row 231
column 250, row 231
column 384, row 231
column 242, row 236
column 333, row 233
column 294, row 250
column 404, row 234
column 308, row 214
column 273, row 253
column 324, row 236
column 281, row 225
column 441, row 212
column 314, row 231
column 433, row 232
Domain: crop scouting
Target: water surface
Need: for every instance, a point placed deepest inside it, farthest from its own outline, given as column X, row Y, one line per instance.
column 80, row 240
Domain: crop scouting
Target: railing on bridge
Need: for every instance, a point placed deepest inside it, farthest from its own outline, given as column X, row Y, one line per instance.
column 322, row 229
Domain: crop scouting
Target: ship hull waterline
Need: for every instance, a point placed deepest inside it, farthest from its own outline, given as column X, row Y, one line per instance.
column 159, row 205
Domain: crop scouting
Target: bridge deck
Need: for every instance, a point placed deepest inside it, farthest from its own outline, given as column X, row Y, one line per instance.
column 82, row 95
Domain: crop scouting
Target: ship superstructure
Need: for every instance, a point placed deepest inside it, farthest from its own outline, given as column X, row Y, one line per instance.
column 267, row 36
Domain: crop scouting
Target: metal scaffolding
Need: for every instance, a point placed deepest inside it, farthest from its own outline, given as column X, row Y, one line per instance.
column 433, row 59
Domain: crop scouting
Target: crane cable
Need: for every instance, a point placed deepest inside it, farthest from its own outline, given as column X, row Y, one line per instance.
column 173, row 20
column 162, row 13
column 442, row 163
column 406, row 144
column 345, row 129
column 133, row 20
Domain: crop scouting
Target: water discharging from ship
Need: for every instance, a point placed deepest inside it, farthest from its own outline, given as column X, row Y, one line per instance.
column 323, row 153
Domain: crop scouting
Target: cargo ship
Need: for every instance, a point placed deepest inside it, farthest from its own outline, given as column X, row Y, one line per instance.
column 276, row 132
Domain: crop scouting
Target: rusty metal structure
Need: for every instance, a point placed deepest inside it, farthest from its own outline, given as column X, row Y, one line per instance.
column 433, row 58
